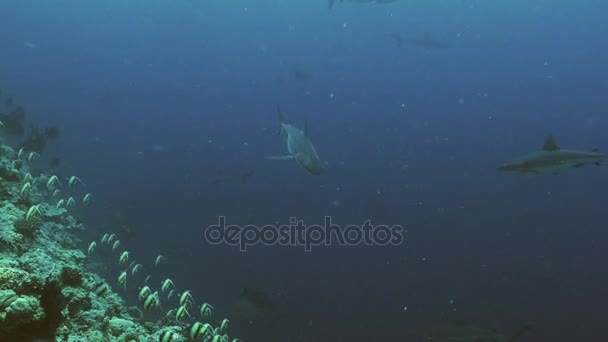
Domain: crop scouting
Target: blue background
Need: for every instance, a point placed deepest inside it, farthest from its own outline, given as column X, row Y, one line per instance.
column 155, row 99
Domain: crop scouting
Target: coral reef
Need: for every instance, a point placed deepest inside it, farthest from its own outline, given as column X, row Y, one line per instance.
column 47, row 294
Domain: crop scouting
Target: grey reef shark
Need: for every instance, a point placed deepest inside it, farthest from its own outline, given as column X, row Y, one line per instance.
column 552, row 160
column 299, row 147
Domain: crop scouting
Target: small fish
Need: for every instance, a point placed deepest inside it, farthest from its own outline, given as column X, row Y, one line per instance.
column 136, row 268
column 122, row 279
column 186, row 298
column 224, row 325
column 104, row 239
column 53, row 180
column 168, row 336
column 158, row 260
column 171, row 293
column 70, row 202
column 111, row 238
column 101, row 289
column 151, row 302
column 181, row 313
column 34, row 211
column 115, row 245
column 147, row 279
column 124, row 258
column 206, row 310
column 166, row 284
column 143, row 293
column 199, row 329
column 73, row 180
column 32, row 156
column 92, row 247
column 86, row 200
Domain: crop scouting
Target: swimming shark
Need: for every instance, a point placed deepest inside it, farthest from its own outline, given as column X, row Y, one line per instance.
column 300, row 148
column 332, row 2
column 551, row 159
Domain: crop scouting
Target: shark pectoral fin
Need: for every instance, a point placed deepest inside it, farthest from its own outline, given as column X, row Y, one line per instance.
column 288, row 157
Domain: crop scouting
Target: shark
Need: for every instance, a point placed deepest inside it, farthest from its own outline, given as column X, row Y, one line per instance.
column 551, row 159
column 332, row 2
column 299, row 147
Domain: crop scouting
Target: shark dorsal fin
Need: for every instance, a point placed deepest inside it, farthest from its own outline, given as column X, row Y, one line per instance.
column 550, row 144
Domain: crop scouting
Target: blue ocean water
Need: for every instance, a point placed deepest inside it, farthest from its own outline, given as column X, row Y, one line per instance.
column 164, row 105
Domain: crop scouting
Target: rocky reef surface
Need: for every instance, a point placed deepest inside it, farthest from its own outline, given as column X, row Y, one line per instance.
column 46, row 293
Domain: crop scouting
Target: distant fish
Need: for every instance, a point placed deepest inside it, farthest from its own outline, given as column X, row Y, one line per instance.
column 299, row 147
column 258, row 298
column 551, row 160
column 29, row 45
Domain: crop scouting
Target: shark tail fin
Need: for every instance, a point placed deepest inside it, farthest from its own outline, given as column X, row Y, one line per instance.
column 517, row 333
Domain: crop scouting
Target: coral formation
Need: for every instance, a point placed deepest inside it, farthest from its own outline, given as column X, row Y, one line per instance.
column 47, row 294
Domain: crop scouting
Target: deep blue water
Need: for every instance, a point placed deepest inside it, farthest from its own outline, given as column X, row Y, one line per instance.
column 155, row 99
